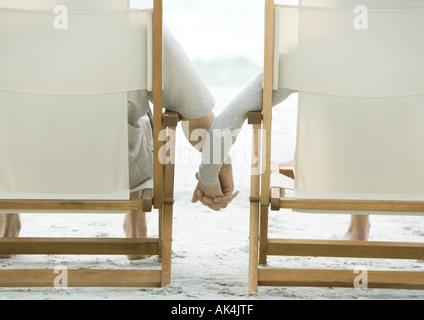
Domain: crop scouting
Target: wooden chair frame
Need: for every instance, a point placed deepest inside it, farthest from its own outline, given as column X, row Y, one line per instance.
column 263, row 197
column 161, row 198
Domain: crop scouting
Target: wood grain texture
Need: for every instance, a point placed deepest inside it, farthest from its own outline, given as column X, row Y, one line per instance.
column 340, row 278
column 80, row 278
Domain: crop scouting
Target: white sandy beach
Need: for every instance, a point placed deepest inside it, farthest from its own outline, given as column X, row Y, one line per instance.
column 210, row 250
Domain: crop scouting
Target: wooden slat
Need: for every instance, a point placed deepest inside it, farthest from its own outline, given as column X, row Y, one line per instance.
column 263, row 235
column 371, row 205
column 340, row 278
column 160, row 230
column 80, row 278
column 346, row 249
column 71, row 205
column 157, row 103
column 254, row 209
column 166, row 245
column 167, row 216
column 89, row 246
column 267, row 100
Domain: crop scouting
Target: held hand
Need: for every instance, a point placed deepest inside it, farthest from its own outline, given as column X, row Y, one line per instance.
column 201, row 191
column 227, row 185
column 219, row 196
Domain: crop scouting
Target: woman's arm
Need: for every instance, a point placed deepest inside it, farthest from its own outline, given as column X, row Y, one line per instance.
column 224, row 131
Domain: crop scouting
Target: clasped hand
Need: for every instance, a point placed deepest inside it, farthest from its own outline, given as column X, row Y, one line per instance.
column 219, row 196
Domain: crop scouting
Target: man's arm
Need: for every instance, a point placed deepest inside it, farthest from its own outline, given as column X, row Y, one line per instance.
column 220, row 195
column 204, row 124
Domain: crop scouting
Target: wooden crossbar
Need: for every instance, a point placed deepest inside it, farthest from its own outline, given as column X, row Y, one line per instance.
column 345, row 249
column 140, row 200
column 340, row 278
column 71, row 205
column 335, row 204
column 81, row 278
column 89, row 246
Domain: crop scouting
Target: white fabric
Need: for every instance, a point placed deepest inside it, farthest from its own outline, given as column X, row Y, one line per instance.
column 63, row 97
column 371, row 4
column 319, row 47
column 105, row 51
column 71, row 4
column 360, row 148
column 148, row 184
column 56, row 147
column 281, row 181
column 361, row 95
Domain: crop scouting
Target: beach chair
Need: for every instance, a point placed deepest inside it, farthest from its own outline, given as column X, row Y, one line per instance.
column 66, row 68
column 358, row 74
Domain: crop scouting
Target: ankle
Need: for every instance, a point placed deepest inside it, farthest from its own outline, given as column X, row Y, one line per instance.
column 358, row 232
column 135, row 225
column 10, row 225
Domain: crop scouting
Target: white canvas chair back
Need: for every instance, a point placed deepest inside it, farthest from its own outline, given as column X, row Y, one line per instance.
column 63, row 97
column 361, row 95
column 101, row 5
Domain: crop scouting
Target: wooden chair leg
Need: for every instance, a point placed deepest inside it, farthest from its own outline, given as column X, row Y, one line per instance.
column 254, row 210
column 253, row 247
column 167, row 213
column 160, row 231
column 167, row 245
column 167, row 216
column 263, row 240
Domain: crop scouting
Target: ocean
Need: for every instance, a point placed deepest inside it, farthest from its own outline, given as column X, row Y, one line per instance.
column 223, row 38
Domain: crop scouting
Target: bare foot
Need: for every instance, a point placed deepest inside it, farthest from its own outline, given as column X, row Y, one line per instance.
column 359, row 228
column 135, row 227
column 10, row 226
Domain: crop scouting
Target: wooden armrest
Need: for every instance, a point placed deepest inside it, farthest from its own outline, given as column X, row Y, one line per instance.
column 146, row 197
column 287, row 171
column 170, row 119
column 275, row 198
column 254, row 117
